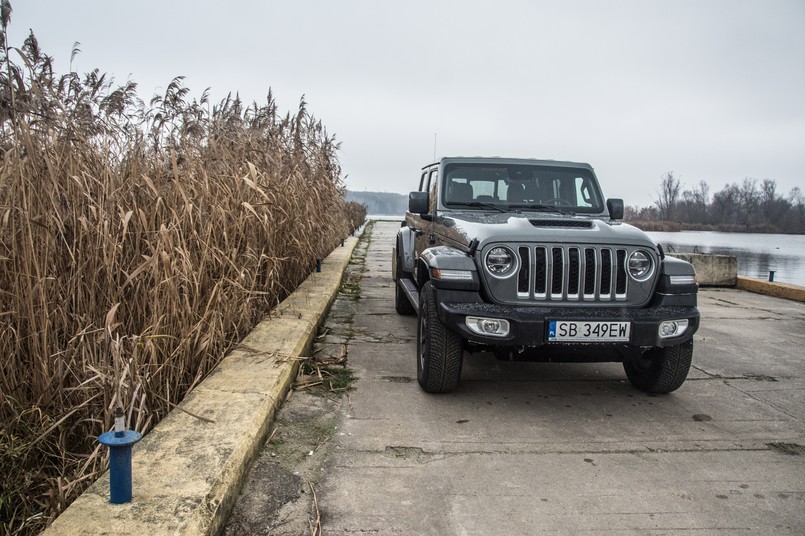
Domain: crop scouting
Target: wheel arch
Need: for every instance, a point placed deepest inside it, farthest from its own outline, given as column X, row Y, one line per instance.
column 405, row 248
column 444, row 258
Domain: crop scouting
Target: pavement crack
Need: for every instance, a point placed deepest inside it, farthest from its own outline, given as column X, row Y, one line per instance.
column 760, row 400
column 423, row 456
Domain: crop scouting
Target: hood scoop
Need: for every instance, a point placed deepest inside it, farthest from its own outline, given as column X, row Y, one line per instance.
column 574, row 224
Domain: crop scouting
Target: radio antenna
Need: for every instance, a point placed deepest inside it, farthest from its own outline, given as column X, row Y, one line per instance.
column 434, row 146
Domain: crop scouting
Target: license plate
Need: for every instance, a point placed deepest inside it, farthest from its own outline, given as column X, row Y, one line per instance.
column 562, row 330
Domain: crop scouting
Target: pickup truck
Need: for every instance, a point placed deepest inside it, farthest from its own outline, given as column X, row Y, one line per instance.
column 525, row 259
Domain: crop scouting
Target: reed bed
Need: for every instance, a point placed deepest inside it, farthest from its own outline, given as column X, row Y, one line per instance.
column 138, row 243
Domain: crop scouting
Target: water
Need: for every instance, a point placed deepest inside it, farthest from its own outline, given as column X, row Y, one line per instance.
column 386, row 217
column 757, row 254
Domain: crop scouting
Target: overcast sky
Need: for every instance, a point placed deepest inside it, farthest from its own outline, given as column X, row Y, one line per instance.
column 710, row 89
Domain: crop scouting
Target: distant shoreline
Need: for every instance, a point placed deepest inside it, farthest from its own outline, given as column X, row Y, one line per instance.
column 675, row 226
column 386, row 217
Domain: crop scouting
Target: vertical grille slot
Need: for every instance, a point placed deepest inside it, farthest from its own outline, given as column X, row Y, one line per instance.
column 606, row 274
column 620, row 271
column 540, row 273
column 524, row 276
column 589, row 272
column 557, row 272
column 574, row 273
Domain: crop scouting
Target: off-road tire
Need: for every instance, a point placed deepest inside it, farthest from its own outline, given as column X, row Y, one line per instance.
column 401, row 303
column 439, row 350
column 660, row 370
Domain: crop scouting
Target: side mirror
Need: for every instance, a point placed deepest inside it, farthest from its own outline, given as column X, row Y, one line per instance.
column 418, row 202
column 615, row 208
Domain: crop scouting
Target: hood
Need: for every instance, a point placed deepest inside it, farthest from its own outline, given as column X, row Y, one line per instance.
column 463, row 227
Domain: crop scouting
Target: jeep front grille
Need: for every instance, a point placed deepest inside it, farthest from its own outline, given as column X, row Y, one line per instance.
column 559, row 273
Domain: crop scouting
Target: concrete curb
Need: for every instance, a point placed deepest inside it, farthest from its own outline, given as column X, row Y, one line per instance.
column 187, row 471
column 779, row 290
column 712, row 270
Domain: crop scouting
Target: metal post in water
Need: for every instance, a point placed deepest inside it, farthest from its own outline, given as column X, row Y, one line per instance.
column 120, row 443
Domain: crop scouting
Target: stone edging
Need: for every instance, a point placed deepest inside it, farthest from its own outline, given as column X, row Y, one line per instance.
column 779, row 290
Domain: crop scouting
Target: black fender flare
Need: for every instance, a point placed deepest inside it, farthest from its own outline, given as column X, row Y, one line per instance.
column 446, row 258
column 405, row 249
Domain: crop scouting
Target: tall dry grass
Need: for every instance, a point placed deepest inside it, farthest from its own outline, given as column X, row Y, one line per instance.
column 138, row 243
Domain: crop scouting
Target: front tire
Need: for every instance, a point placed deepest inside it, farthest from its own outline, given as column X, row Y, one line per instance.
column 439, row 350
column 660, row 370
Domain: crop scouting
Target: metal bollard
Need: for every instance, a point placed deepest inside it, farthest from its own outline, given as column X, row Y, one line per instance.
column 318, row 265
column 342, row 242
column 120, row 442
column 771, row 275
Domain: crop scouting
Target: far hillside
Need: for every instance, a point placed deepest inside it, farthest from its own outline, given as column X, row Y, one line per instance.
column 381, row 203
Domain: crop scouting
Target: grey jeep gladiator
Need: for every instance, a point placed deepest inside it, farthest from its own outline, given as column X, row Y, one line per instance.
column 524, row 259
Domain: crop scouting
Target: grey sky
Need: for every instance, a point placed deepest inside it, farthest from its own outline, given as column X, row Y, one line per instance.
column 710, row 89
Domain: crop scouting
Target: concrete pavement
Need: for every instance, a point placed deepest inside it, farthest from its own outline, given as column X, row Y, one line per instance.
column 531, row 448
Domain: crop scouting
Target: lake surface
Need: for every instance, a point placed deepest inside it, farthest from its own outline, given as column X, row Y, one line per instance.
column 757, row 254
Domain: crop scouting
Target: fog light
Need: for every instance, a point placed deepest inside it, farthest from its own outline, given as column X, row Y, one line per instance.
column 490, row 326
column 673, row 328
column 495, row 327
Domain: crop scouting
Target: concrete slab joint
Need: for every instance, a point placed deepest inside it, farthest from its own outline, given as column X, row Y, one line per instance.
column 187, row 470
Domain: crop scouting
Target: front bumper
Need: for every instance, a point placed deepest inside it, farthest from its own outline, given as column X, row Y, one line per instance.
column 529, row 325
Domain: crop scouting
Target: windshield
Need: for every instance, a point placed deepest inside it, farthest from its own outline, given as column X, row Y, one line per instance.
column 521, row 187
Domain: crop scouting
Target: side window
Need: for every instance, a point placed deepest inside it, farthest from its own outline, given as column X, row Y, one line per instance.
column 503, row 190
column 422, row 184
column 585, row 193
column 582, row 193
column 483, row 190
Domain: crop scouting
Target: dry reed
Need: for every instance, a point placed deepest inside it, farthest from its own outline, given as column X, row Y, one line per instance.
column 138, row 243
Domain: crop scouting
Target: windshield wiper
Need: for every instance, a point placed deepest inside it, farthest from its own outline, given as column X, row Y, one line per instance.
column 485, row 205
column 543, row 208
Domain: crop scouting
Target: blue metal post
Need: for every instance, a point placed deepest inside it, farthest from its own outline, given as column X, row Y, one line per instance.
column 771, row 275
column 318, row 265
column 120, row 442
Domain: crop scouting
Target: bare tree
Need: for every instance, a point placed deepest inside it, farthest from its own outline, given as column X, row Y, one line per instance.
column 749, row 199
column 725, row 204
column 772, row 204
column 670, row 189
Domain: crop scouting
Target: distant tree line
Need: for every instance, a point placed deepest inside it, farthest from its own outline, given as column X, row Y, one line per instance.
column 751, row 206
column 380, row 203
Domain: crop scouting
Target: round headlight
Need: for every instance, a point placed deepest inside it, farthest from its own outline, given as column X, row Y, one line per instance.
column 500, row 261
column 640, row 265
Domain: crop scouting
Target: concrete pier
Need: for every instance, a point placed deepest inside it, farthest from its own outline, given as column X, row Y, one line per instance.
column 531, row 448
column 519, row 448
